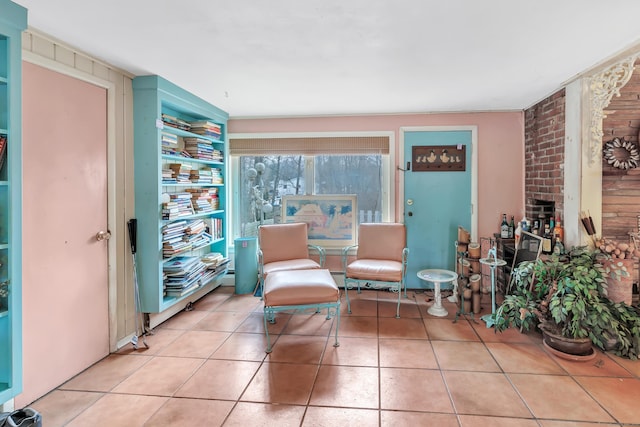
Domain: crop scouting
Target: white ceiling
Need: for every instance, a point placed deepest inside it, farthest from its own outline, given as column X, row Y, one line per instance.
column 257, row 58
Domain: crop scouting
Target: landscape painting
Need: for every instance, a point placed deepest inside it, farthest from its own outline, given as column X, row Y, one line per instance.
column 331, row 218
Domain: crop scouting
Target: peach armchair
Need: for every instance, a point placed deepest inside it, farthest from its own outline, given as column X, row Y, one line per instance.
column 283, row 247
column 381, row 260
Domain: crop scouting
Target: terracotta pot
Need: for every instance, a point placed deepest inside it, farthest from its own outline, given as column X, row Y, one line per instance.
column 572, row 346
column 463, row 235
column 474, row 281
column 464, row 268
column 475, row 299
column 474, row 250
column 474, row 265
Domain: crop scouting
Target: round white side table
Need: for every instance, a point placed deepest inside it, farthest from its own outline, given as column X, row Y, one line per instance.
column 437, row 276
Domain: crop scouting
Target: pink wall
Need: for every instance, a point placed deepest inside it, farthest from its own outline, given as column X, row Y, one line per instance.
column 500, row 151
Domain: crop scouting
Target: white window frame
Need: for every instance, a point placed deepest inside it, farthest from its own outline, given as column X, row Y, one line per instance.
column 388, row 183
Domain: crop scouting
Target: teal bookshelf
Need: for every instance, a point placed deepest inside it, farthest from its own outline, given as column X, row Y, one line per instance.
column 154, row 97
column 13, row 21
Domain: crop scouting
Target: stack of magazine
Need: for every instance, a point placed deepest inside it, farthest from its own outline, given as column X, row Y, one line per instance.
column 195, row 234
column 183, row 275
column 181, row 172
column 199, row 148
column 202, row 199
column 175, row 122
column 206, row 128
column 216, row 263
column 173, row 241
column 178, row 205
column 169, row 143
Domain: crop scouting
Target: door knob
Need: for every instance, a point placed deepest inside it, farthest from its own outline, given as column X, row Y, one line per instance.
column 103, row 235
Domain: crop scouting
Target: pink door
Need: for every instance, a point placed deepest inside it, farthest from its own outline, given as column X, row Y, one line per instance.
column 65, row 269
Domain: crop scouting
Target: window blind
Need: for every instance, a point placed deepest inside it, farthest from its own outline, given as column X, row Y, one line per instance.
column 309, row 145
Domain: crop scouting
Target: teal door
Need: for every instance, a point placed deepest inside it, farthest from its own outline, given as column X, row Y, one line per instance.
column 437, row 197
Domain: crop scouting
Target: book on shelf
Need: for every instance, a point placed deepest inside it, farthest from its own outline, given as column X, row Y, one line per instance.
column 219, row 267
column 182, row 291
column 171, row 240
column 199, row 240
column 214, row 227
column 168, row 177
column 171, row 249
column 184, row 280
column 170, row 151
column 179, row 263
column 173, row 225
column 206, row 128
column 201, row 176
column 195, row 227
column 180, row 172
column 180, row 201
column 204, row 199
column 175, row 122
column 215, row 261
column 176, row 279
column 199, row 148
column 216, row 176
column 216, row 156
column 169, row 140
column 3, row 150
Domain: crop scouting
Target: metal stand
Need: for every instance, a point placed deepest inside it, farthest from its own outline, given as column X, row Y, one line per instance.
column 493, row 263
column 454, row 297
column 460, row 256
column 463, row 313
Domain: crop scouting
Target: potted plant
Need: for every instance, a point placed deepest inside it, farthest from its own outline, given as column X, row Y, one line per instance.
column 565, row 297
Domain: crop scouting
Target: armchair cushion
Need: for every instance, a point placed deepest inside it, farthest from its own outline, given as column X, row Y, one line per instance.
column 283, row 242
column 383, row 241
column 289, row 288
column 292, row 264
column 375, row 269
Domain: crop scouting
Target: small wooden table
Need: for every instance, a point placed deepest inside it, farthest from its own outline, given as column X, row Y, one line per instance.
column 437, row 276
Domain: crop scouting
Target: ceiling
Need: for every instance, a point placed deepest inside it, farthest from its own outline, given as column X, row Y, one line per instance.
column 309, row 57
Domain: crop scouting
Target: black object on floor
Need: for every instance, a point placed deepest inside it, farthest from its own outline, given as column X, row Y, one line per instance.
column 26, row 417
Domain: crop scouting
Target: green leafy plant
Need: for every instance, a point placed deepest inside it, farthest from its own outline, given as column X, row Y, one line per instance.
column 567, row 296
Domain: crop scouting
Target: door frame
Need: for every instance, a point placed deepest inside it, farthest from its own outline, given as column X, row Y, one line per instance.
column 474, row 169
column 115, row 241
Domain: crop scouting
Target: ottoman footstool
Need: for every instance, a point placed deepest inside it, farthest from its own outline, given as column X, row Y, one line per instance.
column 300, row 290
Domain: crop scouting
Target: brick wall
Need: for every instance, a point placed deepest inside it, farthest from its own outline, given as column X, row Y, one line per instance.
column 620, row 188
column 544, row 153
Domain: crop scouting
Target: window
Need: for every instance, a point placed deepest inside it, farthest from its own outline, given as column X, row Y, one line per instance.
column 262, row 179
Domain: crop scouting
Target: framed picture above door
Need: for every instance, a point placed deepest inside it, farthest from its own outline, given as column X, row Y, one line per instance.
column 440, row 158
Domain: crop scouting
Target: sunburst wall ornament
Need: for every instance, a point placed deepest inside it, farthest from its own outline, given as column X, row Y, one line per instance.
column 621, row 154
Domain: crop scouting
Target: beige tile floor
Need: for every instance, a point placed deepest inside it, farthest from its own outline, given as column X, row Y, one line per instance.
column 208, row 367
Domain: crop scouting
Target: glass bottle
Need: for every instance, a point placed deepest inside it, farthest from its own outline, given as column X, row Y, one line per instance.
column 504, row 227
column 558, row 231
column 512, row 227
column 546, row 239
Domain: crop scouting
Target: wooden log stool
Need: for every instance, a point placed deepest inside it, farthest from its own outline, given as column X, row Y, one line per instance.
column 300, row 290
